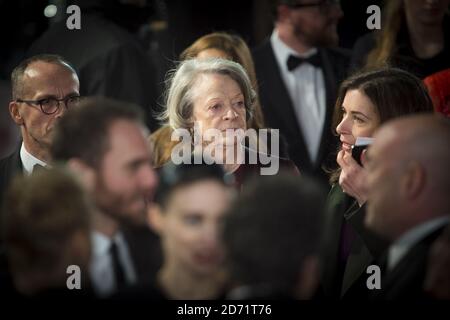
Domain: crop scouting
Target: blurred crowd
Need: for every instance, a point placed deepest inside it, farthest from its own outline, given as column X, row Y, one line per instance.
column 309, row 171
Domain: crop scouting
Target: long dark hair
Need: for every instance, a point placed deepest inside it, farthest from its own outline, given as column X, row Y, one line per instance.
column 392, row 91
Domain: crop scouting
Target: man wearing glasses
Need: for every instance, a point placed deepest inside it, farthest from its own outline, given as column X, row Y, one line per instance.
column 43, row 88
column 299, row 72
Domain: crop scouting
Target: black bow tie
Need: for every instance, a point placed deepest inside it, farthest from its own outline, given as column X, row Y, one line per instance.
column 293, row 61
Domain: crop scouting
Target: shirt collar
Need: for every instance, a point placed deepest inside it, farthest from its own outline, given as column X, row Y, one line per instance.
column 28, row 160
column 282, row 51
column 102, row 243
column 401, row 247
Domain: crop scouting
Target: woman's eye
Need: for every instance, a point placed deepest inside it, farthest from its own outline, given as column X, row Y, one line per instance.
column 358, row 119
column 343, row 111
column 216, row 107
column 240, row 104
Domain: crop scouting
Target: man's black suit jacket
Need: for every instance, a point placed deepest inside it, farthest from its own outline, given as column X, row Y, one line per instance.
column 279, row 111
column 9, row 167
column 406, row 280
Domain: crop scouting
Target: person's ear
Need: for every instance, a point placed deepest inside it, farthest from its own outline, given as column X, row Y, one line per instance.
column 15, row 113
column 155, row 218
column 413, row 180
column 308, row 278
column 84, row 172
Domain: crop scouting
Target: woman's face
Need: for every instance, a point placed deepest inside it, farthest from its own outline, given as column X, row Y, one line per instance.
column 218, row 103
column 191, row 224
column 427, row 12
column 212, row 53
column 359, row 118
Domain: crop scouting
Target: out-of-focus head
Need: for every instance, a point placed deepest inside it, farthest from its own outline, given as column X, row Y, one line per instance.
column 368, row 99
column 106, row 142
column 407, row 178
column 426, row 12
column 37, row 83
column 46, row 229
column 312, row 22
column 213, row 93
column 222, row 45
column 190, row 203
column 399, row 15
column 272, row 236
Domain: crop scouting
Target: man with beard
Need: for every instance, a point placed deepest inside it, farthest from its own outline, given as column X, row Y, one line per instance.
column 298, row 74
column 104, row 142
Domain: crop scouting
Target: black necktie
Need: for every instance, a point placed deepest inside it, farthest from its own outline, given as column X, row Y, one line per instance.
column 119, row 273
column 293, row 61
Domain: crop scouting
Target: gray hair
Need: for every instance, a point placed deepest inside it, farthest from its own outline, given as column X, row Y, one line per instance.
column 180, row 84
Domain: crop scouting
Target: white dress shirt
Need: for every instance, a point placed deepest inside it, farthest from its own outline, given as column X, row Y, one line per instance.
column 29, row 161
column 306, row 87
column 101, row 268
column 402, row 246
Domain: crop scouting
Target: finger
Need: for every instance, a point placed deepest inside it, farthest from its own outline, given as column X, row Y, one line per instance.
column 348, row 158
column 340, row 158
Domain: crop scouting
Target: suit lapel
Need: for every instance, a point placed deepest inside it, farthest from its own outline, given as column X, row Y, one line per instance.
column 9, row 168
column 407, row 276
column 332, row 232
column 13, row 166
column 356, row 265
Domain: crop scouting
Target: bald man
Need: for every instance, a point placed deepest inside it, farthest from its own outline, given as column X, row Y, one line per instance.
column 43, row 88
column 408, row 183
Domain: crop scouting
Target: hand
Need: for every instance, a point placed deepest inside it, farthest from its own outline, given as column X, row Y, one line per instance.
column 353, row 177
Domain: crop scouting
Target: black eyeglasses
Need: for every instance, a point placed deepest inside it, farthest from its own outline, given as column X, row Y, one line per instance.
column 323, row 5
column 52, row 105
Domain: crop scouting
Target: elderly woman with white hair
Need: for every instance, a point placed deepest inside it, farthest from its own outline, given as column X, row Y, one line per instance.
column 209, row 104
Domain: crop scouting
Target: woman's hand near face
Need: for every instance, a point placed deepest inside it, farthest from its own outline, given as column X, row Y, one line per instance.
column 353, row 177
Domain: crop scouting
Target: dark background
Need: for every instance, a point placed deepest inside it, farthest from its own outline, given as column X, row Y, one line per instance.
column 171, row 26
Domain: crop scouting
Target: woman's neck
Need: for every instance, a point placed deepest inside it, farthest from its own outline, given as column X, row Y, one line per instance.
column 182, row 284
column 231, row 157
column 426, row 40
